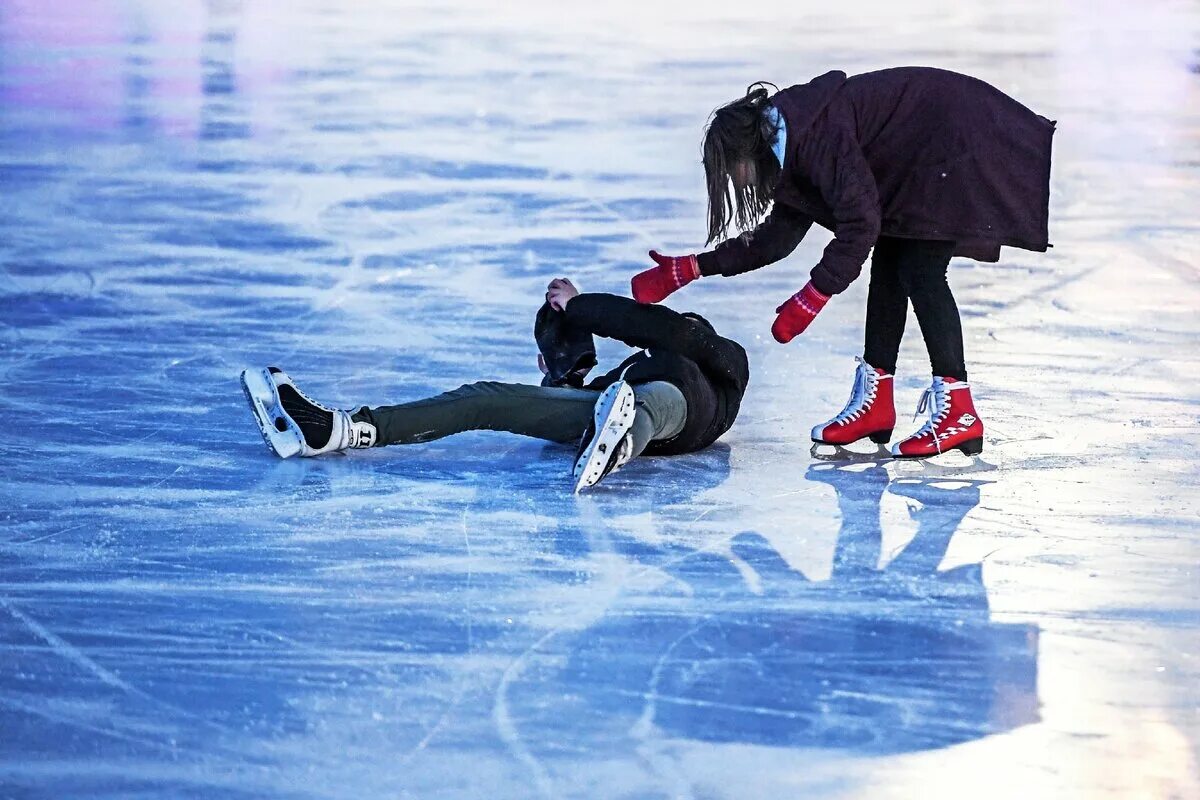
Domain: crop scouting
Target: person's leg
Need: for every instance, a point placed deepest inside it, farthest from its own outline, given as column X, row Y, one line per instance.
column 887, row 307
column 953, row 423
column 627, row 418
column 661, row 413
column 922, row 267
column 551, row 413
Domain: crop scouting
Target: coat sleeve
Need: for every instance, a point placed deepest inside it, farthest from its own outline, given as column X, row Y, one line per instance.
column 772, row 240
column 648, row 326
column 841, row 174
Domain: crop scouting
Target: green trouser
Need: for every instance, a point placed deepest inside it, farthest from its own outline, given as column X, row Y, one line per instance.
column 554, row 414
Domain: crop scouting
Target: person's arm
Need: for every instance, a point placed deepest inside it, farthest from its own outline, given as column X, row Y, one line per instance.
column 840, row 171
column 772, row 240
column 652, row 326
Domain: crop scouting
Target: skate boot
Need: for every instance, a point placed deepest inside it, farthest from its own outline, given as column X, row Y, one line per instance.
column 870, row 412
column 606, row 445
column 953, row 423
column 293, row 424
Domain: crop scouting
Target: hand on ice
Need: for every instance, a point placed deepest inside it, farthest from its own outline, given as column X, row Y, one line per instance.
column 559, row 293
column 669, row 274
column 797, row 312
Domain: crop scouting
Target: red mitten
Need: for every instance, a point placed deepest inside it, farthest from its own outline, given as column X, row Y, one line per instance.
column 670, row 274
column 797, row 313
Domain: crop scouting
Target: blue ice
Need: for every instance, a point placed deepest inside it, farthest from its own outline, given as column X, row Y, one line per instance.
column 372, row 196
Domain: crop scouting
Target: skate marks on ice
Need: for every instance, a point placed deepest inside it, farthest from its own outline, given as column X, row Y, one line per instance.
column 890, row 654
column 348, row 623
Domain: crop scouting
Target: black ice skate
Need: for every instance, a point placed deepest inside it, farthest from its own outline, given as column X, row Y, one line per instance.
column 606, row 446
column 293, row 424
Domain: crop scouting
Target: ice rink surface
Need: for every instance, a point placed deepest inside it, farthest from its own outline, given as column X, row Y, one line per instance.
column 373, row 196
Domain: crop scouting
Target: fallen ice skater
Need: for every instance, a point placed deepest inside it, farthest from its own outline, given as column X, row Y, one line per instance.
column 678, row 394
column 920, row 164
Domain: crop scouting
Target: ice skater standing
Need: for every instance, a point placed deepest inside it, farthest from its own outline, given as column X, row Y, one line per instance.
column 678, row 394
column 920, row 164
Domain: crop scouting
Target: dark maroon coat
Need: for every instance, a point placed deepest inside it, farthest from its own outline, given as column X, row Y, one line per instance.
column 912, row 152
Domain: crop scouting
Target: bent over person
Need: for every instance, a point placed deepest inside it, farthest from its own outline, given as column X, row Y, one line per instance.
column 679, row 393
column 919, row 164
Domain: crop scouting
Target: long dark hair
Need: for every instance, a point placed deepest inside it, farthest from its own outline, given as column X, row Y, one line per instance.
column 740, row 133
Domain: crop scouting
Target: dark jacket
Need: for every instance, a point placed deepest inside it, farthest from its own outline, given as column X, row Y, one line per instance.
column 710, row 370
column 911, row 152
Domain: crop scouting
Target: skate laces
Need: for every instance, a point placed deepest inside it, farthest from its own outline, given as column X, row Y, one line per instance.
column 286, row 380
column 312, row 402
column 936, row 402
column 866, row 386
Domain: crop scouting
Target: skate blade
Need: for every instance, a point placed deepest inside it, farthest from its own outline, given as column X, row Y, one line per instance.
column 949, row 464
column 614, row 418
column 278, row 430
column 836, row 453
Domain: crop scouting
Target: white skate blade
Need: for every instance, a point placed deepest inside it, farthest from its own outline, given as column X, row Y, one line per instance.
column 278, row 430
column 614, row 418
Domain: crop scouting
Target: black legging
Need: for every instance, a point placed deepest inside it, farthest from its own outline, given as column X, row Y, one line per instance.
column 913, row 269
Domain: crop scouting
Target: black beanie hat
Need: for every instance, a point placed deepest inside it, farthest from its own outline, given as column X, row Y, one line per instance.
column 569, row 352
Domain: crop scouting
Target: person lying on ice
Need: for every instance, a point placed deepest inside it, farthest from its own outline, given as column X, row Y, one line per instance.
column 678, row 394
column 920, row 164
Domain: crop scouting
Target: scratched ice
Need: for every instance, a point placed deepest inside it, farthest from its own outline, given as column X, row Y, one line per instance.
column 372, row 196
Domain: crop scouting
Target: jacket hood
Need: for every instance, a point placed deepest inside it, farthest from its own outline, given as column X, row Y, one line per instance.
column 800, row 104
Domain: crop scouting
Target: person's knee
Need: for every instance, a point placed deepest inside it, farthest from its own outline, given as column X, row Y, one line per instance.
column 664, row 405
column 480, row 388
column 920, row 279
column 472, row 395
column 883, row 273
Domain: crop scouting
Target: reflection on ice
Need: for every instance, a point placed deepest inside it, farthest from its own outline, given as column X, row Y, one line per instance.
column 880, row 660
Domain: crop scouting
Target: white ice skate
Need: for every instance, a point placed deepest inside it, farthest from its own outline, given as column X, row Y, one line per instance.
column 294, row 424
column 606, row 445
